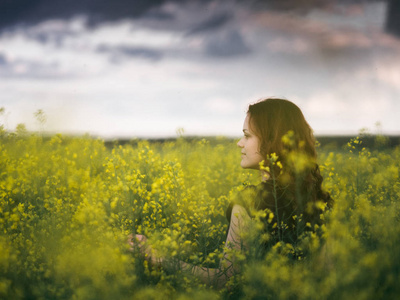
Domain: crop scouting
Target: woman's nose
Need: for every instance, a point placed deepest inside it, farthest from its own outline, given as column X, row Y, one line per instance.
column 239, row 144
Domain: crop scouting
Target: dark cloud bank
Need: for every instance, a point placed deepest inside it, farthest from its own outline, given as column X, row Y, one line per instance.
column 30, row 12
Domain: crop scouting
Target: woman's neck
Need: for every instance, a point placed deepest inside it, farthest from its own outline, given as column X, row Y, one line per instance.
column 264, row 175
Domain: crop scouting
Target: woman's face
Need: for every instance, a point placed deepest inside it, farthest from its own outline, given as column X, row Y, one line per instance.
column 250, row 146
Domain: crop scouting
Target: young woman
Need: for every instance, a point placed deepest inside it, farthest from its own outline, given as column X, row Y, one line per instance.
column 279, row 142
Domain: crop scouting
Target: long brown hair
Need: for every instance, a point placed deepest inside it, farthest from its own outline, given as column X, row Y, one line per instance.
column 274, row 118
column 282, row 129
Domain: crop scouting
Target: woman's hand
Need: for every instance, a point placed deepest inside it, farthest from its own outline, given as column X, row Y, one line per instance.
column 137, row 240
column 140, row 241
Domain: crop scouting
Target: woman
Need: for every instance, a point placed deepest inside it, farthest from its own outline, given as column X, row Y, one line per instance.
column 277, row 134
column 279, row 142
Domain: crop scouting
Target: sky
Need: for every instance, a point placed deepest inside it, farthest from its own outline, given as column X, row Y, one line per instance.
column 128, row 69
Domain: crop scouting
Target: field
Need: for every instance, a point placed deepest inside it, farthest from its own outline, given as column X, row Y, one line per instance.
column 67, row 205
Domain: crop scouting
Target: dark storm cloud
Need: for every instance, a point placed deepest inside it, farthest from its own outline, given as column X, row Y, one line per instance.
column 302, row 6
column 123, row 51
column 292, row 5
column 158, row 15
column 14, row 12
column 28, row 12
column 213, row 23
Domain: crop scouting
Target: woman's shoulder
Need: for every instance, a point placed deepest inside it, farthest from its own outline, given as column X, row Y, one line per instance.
column 243, row 198
column 245, row 195
column 257, row 197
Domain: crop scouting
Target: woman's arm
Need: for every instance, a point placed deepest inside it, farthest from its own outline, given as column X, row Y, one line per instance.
column 213, row 276
column 219, row 276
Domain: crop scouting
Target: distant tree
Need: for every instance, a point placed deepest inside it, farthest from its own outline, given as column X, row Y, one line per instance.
column 2, row 129
column 40, row 118
column 21, row 130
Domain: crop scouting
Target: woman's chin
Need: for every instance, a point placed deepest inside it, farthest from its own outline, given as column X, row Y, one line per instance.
column 245, row 166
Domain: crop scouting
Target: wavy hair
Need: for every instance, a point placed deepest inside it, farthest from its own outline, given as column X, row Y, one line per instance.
column 282, row 129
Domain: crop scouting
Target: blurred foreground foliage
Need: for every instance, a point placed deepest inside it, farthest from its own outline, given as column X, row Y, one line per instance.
column 68, row 204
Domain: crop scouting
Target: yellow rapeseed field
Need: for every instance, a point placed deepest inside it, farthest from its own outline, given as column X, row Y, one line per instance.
column 68, row 204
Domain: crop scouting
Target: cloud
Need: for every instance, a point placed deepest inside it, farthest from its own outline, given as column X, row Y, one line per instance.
column 29, row 12
column 220, row 106
column 190, row 17
column 323, row 60
column 3, row 60
column 346, row 35
column 125, row 51
column 48, row 33
column 226, row 44
column 81, row 51
column 383, row 73
column 215, row 22
column 33, row 69
column 295, row 45
column 158, row 14
column 55, row 32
